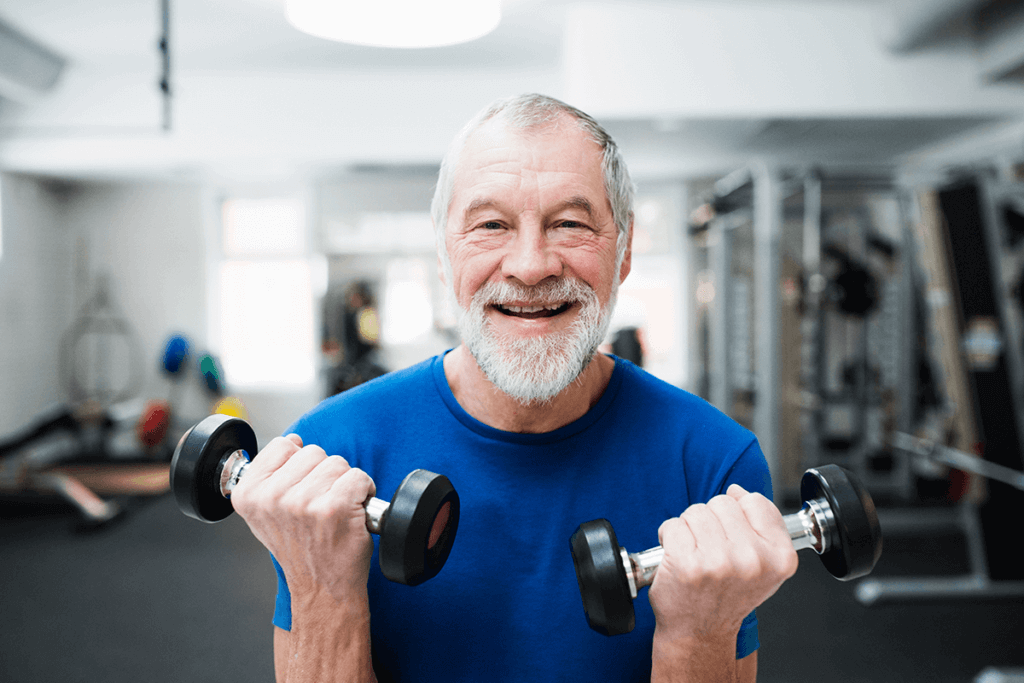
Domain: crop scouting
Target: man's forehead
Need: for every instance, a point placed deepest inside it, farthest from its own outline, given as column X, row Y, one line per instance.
column 556, row 146
column 564, row 128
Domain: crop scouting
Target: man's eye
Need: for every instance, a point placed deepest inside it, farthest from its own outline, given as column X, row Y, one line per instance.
column 570, row 224
column 491, row 225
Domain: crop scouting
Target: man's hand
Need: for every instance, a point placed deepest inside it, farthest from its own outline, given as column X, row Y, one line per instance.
column 307, row 509
column 721, row 561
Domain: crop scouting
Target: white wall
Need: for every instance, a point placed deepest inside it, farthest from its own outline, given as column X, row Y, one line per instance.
column 35, row 300
column 148, row 238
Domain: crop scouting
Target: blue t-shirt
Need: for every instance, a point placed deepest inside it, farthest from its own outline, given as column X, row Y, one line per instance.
column 507, row 606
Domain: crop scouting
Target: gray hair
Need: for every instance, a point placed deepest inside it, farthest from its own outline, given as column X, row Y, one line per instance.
column 530, row 112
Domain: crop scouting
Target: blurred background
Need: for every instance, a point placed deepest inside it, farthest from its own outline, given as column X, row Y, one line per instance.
column 205, row 209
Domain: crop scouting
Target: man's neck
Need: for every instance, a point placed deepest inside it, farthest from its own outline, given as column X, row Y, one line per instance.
column 485, row 402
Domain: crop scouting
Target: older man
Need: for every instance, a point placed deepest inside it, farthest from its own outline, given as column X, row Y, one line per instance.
column 538, row 432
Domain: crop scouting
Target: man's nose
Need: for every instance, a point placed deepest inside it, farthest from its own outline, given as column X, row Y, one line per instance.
column 531, row 257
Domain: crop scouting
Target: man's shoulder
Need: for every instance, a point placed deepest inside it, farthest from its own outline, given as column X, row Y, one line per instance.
column 662, row 401
column 638, row 381
column 381, row 395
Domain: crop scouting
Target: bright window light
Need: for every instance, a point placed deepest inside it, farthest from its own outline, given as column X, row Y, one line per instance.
column 395, row 23
column 266, row 322
column 408, row 315
column 264, row 227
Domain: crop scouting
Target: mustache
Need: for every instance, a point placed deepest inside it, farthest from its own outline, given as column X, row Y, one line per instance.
column 564, row 290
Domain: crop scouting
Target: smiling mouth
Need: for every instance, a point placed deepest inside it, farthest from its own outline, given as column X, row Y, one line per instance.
column 532, row 312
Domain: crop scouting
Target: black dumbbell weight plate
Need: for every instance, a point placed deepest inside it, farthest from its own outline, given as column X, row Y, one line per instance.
column 855, row 541
column 602, row 578
column 406, row 555
column 195, row 468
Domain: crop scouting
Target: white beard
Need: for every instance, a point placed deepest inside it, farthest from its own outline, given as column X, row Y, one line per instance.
column 535, row 369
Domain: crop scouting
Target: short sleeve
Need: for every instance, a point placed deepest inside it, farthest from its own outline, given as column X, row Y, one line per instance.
column 747, row 640
column 283, row 604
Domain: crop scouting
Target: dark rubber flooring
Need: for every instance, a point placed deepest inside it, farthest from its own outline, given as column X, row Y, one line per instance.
column 160, row 597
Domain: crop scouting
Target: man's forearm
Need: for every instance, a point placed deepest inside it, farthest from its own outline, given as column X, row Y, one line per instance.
column 326, row 643
column 689, row 660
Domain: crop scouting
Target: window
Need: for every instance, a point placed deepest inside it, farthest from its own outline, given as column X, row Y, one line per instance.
column 265, row 320
column 408, row 311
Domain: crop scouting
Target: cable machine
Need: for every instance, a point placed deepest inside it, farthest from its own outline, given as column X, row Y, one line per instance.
column 800, row 290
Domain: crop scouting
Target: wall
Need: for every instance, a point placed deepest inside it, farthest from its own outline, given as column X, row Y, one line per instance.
column 35, row 300
column 149, row 239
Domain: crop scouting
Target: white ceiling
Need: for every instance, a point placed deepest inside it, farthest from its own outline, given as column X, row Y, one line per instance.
column 253, row 34
column 255, row 98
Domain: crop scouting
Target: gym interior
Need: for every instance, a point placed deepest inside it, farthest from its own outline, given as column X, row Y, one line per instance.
column 207, row 210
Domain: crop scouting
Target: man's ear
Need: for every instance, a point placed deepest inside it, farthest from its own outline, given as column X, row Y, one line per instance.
column 627, row 258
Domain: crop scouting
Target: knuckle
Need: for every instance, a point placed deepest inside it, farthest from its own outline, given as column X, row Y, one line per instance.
column 720, row 501
column 313, row 452
column 748, row 564
column 337, row 460
column 321, row 511
column 358, row 479
column 695, row 511
column 717, row 566
column 334, row 465
column 283, row 443
column 356, row 473
column 757, row 502
column 666, row 530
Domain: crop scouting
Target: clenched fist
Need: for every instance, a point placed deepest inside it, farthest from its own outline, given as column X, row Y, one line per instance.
column 307, row 508
column 722, row 559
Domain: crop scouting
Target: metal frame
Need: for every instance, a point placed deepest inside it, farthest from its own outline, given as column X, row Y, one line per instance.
column 768, row 196
column 974, row 585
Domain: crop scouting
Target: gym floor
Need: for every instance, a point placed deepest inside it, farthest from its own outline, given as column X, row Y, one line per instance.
column 159, row 597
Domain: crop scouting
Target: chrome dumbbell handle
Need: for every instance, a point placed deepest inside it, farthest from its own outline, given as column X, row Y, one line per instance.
column 807, row 528
column 238, row 462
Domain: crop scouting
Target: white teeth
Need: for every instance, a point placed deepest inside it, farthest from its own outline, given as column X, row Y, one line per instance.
column 531, row 309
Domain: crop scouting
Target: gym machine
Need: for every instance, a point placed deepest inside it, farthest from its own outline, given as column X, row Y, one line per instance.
column 970, row 255
column 417, row 528
column 978, row 583
column 799, row 281
column 857, row 362
column 838, row 521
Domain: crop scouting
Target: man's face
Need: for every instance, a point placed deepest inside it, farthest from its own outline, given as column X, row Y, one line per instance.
column 532, row 246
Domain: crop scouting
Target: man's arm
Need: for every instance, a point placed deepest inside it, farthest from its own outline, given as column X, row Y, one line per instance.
column 721, row 561
column 311, row 654
column 746, row 668
column 282, row 653
column 307, row 509
column 712, row 664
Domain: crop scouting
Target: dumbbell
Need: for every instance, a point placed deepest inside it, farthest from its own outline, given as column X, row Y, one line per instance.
column 838, row 520
column 417, row 528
